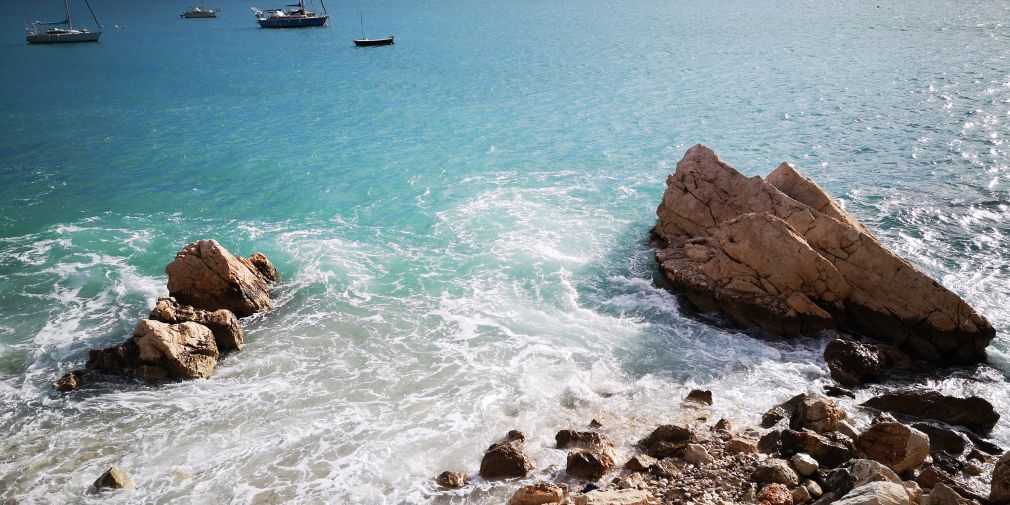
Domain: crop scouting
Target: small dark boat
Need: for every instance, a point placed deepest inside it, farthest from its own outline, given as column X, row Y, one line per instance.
column 367, row 42
column 374, row 42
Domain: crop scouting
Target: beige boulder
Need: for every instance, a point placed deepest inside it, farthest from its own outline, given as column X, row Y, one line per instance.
column 896, row 445
column 452, row 480
column 222, row 323
column 206, row 276
column 876, row 493
column 783, row 256
column 183, row 351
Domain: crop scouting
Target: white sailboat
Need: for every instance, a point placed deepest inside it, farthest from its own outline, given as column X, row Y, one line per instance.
column 52, row 32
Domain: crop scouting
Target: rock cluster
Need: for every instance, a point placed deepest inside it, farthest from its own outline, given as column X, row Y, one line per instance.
column 809, row 454
column 781, row 255
column 185, row 334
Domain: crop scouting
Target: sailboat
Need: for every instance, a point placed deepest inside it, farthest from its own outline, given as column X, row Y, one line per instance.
column 200, row 11
column 366, row 42
column 43, row 32
column 298, row 17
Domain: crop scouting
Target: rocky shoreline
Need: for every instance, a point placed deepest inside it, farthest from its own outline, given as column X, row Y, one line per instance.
column 781, row 256
column 806, row 450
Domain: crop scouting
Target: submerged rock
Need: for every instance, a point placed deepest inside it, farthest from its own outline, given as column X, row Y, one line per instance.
column 452, row 480
column 781, row 255
column 222, row 323
column 566, row 439
column 973, row 412
column 72, row 381
column 700, row 396
column 115, row 478
column 852, row 363
column 206, row 276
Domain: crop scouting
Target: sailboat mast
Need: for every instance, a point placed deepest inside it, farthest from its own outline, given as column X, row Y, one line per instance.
column 66, row 7
column 362, row 20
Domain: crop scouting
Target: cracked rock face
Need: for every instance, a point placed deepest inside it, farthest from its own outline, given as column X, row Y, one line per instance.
column 206, row 276
column 177, row 351
column 781, row 255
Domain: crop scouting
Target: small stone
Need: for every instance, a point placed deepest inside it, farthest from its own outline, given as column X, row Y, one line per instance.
column 452, row 480
column 838, row 392
column 813, row 487
column 506, row 459
column 595, row 424
column 741, row 446
column 699, row 396
column 804, row 464
column 615, row 497
column 775, row 470
column 775, row 494
column 723, row 424
column 801, row 494
column 115, row 478
column 640, row 463
column 697, row 455
column 538, row 494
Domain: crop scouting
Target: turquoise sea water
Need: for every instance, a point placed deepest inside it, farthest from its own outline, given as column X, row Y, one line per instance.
column 461, row 222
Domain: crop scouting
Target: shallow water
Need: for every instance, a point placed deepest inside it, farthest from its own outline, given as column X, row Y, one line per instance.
column 460, row 220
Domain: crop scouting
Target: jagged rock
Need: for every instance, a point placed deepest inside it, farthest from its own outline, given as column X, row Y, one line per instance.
column 775, row 494
column 817, row 413
column 580, row 439
column 699, row 396
column 222, row 323
column 697, row 455
column 804, row 464
column 117, row 359
column 183, row 351
column 771, row 254
column 723, row 424
column 898, row 446
column 616, row 497
column 538, row 494
column 1000, row 491
column 915, row 494
column 775, row 470
column 632, row 480
column 944, row 495
column 771, row 442
column 452, row 480
column 71, row 381
column 506, row 459
column 773, row 416
column 640, row 463
column 115, row 478
column 852, row 363
column 973, row 412
column 667, row 440
column 876, row 493
column 264, row 267
column 206, row 276
column 827, row 451
column 595, row 424
column 589, row 465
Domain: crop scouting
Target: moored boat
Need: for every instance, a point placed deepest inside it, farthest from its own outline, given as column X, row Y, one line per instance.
column 49, row 32
column 367, row 42
column 200, row 12
column 374, row 42
column 298, row 17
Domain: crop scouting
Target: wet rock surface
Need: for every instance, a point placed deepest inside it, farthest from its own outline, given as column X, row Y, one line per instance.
column 973, row 413
column 506, row 459
column 206, row 276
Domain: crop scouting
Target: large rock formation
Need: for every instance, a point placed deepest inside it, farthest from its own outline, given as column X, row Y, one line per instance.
column 781, row 255
column 973, row 412
column 206, row 276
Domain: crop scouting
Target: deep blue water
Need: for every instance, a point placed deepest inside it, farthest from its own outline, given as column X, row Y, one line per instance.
column 460, row 220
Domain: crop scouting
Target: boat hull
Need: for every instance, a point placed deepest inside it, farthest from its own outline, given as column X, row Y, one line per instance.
column 286, row 22
column 61, row 38
column 201, row 15
column 388, row 41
